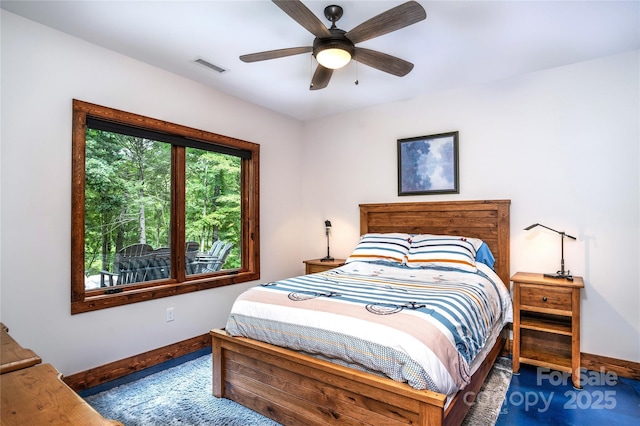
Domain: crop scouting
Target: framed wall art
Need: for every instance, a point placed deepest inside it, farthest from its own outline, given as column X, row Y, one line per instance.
column 428, row 165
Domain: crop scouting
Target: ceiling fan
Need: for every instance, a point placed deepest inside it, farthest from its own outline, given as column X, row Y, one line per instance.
column 334, row 48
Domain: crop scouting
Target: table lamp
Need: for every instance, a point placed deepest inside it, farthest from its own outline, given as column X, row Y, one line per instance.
column 561, row 273
column 327, row 227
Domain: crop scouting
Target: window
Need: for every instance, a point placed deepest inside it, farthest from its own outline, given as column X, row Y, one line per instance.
column 158, row 209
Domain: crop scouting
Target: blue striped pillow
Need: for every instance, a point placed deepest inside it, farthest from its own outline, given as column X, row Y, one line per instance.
column 443, row 251
column 389, row 247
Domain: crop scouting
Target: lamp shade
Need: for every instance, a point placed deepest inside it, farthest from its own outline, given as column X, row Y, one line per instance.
column 564, row 234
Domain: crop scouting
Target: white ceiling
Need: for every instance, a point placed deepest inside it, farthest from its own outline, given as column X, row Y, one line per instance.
column 460, row 43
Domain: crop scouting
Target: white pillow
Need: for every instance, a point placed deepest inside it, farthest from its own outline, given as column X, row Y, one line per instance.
column 387, row 247
column 443, row 251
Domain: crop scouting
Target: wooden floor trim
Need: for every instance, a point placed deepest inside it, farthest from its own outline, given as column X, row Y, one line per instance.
column 117, row 369
column 123, row 367
column 621, row 367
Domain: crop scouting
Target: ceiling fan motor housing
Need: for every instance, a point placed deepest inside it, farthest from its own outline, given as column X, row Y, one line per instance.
column 336, row 41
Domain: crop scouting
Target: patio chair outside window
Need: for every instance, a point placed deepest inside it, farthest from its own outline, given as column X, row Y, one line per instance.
column 140, row 262
column 215, row 258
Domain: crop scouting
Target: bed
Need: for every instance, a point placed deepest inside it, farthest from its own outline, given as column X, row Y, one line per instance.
column 295, row 388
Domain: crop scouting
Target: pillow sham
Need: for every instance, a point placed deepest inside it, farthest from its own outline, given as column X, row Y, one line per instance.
column 484, row 255
column 443, row 251
column 387, row 247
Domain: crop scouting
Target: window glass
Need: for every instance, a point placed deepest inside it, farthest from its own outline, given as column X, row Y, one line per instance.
column 213, row 211
column 127, row 209
column 158, row 209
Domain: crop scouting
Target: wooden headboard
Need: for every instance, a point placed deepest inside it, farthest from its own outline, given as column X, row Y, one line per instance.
column 484, row 219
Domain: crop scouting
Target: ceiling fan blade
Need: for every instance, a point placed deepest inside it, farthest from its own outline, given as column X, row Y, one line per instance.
column 393, row 19
column 303, row 16
column 383, row 62
column 321, row 78
column 273, row 54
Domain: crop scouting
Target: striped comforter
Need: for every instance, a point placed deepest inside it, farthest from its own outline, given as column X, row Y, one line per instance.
column 420, row 326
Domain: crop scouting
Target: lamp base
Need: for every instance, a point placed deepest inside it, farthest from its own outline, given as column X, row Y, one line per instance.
column 559, row 274
column 327, row 259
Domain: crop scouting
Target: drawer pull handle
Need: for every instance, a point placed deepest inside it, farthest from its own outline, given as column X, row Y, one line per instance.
column 544, row 298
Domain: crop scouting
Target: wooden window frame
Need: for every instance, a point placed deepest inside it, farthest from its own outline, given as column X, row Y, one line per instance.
column 83, row 300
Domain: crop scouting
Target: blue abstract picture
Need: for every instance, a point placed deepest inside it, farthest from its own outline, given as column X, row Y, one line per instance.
column 428, row 164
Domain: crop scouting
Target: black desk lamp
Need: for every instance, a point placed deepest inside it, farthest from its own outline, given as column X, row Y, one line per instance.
column 327, row 227
column 561, row 273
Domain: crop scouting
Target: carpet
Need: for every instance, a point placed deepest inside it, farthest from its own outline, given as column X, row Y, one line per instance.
column 182, row 395
column 488, row 404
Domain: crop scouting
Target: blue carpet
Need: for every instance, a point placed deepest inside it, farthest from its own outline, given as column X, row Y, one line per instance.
column 180, row 395
column 179, row 392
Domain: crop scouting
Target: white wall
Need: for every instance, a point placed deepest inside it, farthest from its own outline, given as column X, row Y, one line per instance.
column 42, row 71
column 561, row 144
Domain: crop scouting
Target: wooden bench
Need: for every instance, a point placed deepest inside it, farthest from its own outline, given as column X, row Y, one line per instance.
column 34, row 394
column 12, row 355
column 37, row 396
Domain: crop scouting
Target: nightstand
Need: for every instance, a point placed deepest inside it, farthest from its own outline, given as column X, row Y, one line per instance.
column 316, row 265
column 546, row 323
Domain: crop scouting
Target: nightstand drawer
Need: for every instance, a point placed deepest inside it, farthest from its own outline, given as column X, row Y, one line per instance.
column 312, row 269
column 314, row 266
column 545, row 297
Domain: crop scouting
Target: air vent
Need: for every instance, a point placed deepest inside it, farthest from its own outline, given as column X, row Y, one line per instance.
column 209, row 65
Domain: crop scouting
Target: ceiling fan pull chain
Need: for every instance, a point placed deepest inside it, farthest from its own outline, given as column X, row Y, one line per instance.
column 311, row 71
column 356, row 82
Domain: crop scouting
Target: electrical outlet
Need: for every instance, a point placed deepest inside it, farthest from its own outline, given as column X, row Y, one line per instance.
column 169, row 314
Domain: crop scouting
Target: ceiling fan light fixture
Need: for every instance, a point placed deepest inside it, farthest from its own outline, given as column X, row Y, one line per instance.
column 333, row 54
column 333, row 58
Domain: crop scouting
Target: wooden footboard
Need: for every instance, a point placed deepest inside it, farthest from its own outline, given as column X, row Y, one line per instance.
column 295, row 389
